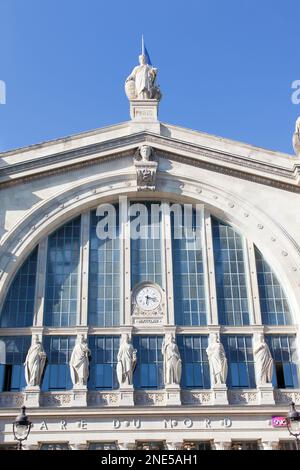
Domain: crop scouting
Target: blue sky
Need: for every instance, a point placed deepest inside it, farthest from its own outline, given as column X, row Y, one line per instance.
column 225, row 67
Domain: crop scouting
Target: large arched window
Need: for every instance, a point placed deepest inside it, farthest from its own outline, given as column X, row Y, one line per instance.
column 81, row 281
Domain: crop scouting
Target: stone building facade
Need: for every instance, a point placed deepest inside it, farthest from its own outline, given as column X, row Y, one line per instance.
column 59, row 281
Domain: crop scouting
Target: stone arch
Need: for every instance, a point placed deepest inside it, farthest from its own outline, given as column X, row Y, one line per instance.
column 280, row 250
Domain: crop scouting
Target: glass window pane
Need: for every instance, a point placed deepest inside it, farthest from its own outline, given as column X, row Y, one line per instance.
column 188, row 270
column 231, row 286
column 283, row 351
column 62, row 275
column 104, row 351
column 240, row 361
column 104, row 273
column 195, row 367
column 18, row 307
column 274, row 305
column 146, row 251
column 148, row 372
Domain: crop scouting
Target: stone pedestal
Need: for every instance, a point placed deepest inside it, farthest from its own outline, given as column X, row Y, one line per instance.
column 219, row 394
column 32, row 397
column 144, row 115
column 79, row 396
column 173, row 395
column 146, row 175
column 266, row 394
column 126, row 395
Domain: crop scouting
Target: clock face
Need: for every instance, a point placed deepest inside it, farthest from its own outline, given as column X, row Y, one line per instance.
column 148, row 298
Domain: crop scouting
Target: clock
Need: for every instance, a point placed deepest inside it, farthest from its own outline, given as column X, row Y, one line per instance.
column 148, row 297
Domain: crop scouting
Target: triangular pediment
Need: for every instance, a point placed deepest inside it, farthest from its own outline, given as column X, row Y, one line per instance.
column 172, row 142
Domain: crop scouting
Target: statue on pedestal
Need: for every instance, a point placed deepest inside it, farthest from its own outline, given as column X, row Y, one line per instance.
column 296, row 137
column 79, row 362
column 126, row 361
column 172, row 361
column 35, row 363
column 263, row 361
column 140, row 85
column 217, row 360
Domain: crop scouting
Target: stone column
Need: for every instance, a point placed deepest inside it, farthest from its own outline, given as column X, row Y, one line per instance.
column 269, row 445
column 222, row 445
column 174, row 445
column 208, row 256
column 127, row 445
column 78, row 446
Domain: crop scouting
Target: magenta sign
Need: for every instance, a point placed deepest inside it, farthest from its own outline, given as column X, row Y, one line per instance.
column 278, row 421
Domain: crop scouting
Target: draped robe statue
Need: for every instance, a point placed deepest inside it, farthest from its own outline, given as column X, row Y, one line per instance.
column 263, row 361
column 126, row 361
column 141, row 82
column 172, row 361
column 34, row 363
column 79, row 362
column 217, row 360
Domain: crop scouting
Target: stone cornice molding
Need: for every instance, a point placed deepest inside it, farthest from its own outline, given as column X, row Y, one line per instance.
column 285, row 176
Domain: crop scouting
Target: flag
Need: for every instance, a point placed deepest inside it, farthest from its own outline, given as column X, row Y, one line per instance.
column 145, row 52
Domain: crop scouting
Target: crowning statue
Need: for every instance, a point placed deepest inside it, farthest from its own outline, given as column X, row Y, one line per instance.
column 140, row 85
column 35, row 363
column 79, row 362
column 172, row 361
column 263, row 361
column 126, row 361
column 217, row 360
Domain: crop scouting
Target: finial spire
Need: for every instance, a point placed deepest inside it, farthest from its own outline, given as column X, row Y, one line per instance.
column 143, row 45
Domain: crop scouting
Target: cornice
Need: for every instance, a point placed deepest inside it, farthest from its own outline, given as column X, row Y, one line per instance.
column 286, row 178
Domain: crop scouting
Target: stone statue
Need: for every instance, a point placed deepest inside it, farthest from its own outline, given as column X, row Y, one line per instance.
column 296, row 137
column 263, row 361
column 35, row 363
column 79, row 362
column 172, row 361
column 126, row 361
column 143, row 153
column 141, row 82
column 217, row 360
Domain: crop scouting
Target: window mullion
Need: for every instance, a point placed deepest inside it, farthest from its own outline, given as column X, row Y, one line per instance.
column 83, row 278
column 252, row 284
column 209, row 271
column 167, row 256
column 125, row 257
column 41, row 271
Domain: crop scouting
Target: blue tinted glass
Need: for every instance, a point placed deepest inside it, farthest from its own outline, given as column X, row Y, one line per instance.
column 240, row 361
column 286, row 369
column 146, row 253
column 149, row 369
column 62, row 275
column 195, row 367
column 274, row 306
column 18, row 307
column 230, row 275
column 104, row 351
column 13, row 375
column 57, row 373
column 188, row 271
column 104, row 274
